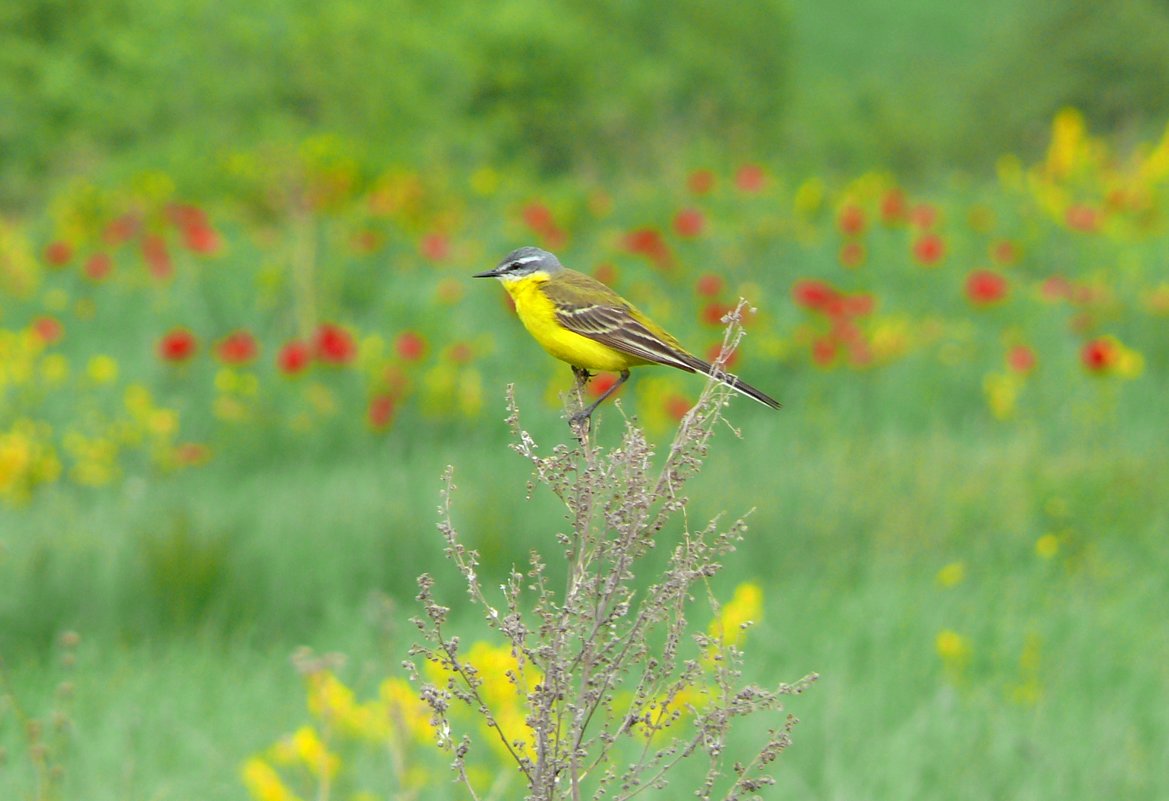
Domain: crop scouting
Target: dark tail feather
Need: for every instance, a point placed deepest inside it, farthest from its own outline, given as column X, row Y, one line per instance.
column 733, row 381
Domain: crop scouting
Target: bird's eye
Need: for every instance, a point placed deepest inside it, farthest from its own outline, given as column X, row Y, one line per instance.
column 515, row 265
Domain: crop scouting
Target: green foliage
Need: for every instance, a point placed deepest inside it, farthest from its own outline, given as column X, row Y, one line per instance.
column 1109, row 60
column 184, row 571
column 552, row 85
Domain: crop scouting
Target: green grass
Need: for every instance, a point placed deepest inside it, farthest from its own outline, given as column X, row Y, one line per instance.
column 850, row 529
column 190, row 588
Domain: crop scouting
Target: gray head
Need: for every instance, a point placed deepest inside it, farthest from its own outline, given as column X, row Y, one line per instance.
column 523, row 262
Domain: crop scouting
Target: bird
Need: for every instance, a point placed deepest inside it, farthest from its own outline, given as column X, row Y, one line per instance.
column 585, row 323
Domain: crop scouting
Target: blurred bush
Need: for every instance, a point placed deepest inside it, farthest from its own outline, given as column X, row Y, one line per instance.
column 1109, row 60
column 168, row 83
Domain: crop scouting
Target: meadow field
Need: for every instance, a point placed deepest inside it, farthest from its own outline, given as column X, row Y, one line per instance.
column 224, row 434
column 230, row 393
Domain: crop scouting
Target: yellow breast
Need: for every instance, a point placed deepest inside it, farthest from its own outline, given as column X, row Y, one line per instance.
column 538, row 314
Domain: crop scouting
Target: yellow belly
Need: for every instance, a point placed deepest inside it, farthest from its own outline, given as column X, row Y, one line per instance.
column 538, row 315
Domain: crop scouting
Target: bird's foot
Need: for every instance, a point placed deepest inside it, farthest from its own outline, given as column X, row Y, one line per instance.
column 581, row 424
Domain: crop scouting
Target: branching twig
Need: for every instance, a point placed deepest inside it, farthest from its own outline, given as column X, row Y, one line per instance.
column 606, row 660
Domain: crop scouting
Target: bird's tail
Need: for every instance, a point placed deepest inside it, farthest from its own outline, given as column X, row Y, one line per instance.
column 732, row 381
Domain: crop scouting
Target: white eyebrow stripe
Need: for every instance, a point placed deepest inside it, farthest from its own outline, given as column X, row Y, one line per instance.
column 526, row 259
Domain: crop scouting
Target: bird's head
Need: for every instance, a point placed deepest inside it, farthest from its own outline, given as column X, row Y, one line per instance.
column 521, row 263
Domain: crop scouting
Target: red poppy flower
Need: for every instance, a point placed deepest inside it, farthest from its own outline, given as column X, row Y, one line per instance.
column 436, row 247
column 601, row 383
column 381, row 411
column 410, row 346
column 1021, row 359
column 713, row 313
column 845, row 331
column 58, row 253
column 177, row 345
column 750, row 178
column 860, row 354
column 201, row 238
column 334, row 345
column 192, row 454
column 649, row 242
column 120, row 230
column 813, row 294
column 824, row 350
column 1099, row 355
column 606, row 273
column 700, row 182
column 185, row 215
column 98, row 267
column 366, row 241
column 1082, row 218
column 712, row 354
column 47, row 329
column 1004, row 252
column 294, row 357
column 859, row 305
column 538, row 217
column 929, row 250
column 689, row 222
column 851, row 220
column 984, row 287
column 238, row 347
column 157, row 256
column 1055, row 288
column 708, row 285
column 894, row 207
column 852, row 254
column 923, row 216
column 460, row 353
column 677, row 406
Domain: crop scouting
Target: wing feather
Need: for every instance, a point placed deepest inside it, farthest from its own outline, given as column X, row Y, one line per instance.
column 587, row 307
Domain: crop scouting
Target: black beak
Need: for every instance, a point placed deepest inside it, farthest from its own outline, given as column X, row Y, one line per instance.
column 494, row 271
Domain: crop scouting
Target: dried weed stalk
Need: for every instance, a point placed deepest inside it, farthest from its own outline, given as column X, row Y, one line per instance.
column 619, row 689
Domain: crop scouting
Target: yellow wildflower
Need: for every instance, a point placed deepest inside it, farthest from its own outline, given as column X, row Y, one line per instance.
column 264, row 783
column 485, row 181
column 1002, row 393
column 409, row 714
column 305, row 747
column 451, row 388
column 163, row 422
column 333, row 701
column 1068, row 141
column 1047, row 546
column 809, row 196
column 138, row 400
column 226, row 379
column 321, row 398
column 952, row 574
column 1029, row 690
column 741, row 611
column 953, row 648
column 102, row 369
column 54, row 369
column 507, row 699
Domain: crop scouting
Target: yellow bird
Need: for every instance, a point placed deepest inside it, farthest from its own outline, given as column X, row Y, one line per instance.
column 581, row 321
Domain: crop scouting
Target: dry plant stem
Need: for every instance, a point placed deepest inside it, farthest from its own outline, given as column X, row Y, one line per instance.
column 607, row 660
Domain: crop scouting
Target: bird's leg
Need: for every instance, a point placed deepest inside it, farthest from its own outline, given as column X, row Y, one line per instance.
column 587, row 413
column 582, row 379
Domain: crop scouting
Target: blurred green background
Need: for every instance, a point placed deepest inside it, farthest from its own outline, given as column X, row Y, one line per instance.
column 111, row 87
column 968, row 546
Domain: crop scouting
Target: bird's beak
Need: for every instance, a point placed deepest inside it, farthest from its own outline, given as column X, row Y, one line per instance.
column 492, row 273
